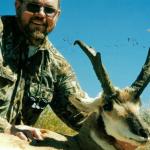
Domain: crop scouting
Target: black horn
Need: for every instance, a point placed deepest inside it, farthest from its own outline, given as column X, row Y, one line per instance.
column 95, row 58
column 143, row 78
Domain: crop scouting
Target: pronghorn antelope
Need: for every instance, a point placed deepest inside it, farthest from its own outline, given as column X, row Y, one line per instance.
column 116, row 124
column 114, row 121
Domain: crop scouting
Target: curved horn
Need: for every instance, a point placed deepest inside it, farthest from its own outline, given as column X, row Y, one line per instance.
column 95, row 58
column 143, row 78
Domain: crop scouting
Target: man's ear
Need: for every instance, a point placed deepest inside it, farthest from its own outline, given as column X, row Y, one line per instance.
column 17, row 4
column 58, row 15
column 59, row 12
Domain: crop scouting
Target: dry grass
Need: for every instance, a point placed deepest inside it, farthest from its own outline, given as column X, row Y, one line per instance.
column 49, row 120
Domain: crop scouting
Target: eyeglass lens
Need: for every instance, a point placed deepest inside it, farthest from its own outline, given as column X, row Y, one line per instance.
column 34, row 8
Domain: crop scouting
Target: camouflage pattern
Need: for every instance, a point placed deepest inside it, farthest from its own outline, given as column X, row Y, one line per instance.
column 31, row 81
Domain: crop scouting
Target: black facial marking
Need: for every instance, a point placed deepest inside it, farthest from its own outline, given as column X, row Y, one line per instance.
column 108, row 106
column 136, row 127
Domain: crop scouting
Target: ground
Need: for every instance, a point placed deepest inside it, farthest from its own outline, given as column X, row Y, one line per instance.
column 49, row 120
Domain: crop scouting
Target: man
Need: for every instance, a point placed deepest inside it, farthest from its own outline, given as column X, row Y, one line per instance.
column 33, row 74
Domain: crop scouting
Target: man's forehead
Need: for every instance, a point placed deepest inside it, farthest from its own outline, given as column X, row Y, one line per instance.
column 48, row 2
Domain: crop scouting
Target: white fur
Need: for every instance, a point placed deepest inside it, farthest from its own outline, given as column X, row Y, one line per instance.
column 87, row 104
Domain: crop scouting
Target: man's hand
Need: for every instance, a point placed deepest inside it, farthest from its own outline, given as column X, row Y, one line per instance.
column 26, row 132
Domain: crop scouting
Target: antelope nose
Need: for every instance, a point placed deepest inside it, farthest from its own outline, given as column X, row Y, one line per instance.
column 144, row 133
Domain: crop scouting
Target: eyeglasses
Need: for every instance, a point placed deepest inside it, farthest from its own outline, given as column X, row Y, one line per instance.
column 35, row 8
column 37, row 103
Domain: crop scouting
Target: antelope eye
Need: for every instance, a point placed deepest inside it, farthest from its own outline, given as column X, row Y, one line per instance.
column 108, row 106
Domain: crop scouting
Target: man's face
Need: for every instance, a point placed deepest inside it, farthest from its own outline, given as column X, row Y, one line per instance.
column 37, row 18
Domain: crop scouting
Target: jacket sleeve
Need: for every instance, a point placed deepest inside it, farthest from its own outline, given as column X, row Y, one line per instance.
column 4, row 125
column 70, row 102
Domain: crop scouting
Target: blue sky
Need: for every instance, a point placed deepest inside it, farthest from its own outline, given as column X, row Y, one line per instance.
column 116, row 28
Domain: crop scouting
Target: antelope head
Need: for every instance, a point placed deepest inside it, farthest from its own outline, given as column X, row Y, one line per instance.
column 119, row 108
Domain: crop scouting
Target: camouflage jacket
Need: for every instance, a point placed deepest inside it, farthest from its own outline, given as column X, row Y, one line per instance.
column 31, row 81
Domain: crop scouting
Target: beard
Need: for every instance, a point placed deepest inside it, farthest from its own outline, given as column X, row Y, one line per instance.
column 35, row 34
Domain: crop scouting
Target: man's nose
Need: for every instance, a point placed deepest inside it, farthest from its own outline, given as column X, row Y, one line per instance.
column 41, row 12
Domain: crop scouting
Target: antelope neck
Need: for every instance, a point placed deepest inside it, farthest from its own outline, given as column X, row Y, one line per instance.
column 121, row 145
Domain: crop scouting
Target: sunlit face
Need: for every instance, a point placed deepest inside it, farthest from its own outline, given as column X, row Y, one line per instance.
column 37, row 18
